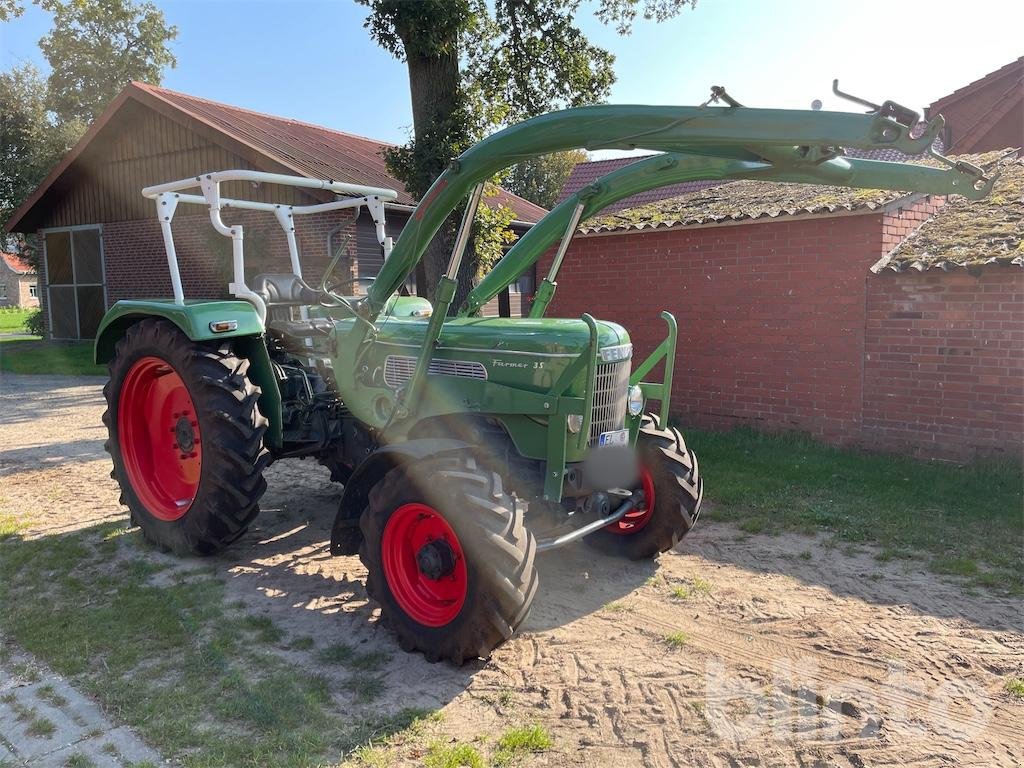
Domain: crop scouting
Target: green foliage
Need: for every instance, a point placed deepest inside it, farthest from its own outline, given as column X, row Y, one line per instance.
column 491, row 232
column 35, row 323
column 540, row 179
column 31, row 141
column 472, row 69
column 96, row 47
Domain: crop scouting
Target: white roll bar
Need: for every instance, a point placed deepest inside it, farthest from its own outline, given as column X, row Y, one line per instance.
column 167, row 196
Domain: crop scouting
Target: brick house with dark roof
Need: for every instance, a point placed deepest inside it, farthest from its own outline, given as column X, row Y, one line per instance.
column 18, row 282
column 101, row 237
column 860, row 317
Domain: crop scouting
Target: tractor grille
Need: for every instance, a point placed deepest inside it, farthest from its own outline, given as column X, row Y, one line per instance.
column 610, row 392
column 398, row 369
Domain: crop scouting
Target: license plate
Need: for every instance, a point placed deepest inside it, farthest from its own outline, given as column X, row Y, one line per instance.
column 616, row 437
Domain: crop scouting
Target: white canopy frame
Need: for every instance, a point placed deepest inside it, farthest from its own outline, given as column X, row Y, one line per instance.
column 167, row 196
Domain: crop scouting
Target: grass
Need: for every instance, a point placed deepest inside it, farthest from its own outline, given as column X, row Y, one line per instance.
column 1015, row 687
column 48, row 357
column 452, row 756
column 694, row 588
column 964, row 520
column 516, row 743
column 41, row 728
column 12, row 319
column 676, row 640
column 174, row 659
column 50, row 696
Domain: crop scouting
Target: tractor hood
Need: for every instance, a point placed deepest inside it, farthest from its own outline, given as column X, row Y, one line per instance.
column 504, row 336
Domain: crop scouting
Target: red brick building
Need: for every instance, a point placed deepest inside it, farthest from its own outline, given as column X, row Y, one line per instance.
column 890, row 321
column 18, row 282
column 866, row 318
column 101, row 238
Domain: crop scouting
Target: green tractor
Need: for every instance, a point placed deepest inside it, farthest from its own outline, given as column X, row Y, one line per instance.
column 465, row 444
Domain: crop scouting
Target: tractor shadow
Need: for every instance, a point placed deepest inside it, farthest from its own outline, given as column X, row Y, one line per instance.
column 282, row 570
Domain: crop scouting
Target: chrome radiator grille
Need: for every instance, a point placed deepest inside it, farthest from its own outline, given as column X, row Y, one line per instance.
column 398, row 369
column 610, row 391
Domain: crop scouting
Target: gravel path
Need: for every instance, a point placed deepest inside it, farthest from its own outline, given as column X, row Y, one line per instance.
column 733, row 650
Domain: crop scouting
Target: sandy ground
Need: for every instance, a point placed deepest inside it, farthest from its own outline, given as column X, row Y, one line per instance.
column 794, row 652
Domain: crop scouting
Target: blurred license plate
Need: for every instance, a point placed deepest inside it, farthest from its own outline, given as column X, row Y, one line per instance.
column 617, row 437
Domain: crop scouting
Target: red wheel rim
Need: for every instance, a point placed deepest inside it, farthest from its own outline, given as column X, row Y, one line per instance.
column 639, row 516
column 158, row 432
column 424, row 565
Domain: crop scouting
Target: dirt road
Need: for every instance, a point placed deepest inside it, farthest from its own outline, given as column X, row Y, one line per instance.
column 732, row 651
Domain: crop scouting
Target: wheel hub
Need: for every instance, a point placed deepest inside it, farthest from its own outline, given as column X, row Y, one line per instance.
column 436, row 559
column 185, row 434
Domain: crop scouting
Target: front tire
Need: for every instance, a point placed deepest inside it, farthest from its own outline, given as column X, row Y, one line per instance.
column 668, row 472
column 186, row 438
column 448, row 558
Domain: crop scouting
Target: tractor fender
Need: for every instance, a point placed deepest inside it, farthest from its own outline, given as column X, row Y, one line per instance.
column 196, row 319
column 344, row 532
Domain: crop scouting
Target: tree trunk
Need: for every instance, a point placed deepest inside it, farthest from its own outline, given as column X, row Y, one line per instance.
column 434, row 88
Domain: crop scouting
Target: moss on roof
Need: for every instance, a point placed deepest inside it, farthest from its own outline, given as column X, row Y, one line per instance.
column 970, row 233
column 752, row 199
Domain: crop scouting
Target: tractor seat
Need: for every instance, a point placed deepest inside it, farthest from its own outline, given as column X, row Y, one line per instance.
column 287, row 290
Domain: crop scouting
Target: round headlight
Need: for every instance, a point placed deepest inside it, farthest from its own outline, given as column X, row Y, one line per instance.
column 635, row 401
column 574, row 421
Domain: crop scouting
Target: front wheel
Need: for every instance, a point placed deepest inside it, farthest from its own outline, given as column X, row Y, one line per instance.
column 448, row 558
column 673, row 490
column 185, row 437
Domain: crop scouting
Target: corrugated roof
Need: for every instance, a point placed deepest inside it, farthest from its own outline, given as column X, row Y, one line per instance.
column 16, row 264
column 314, row 150
column 747, row 199
column 289, row 145
column 969, row 234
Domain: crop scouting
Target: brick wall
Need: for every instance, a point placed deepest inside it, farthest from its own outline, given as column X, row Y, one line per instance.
column 136, row 263
column 771, row 315
column 944, row 363
column 783, row 327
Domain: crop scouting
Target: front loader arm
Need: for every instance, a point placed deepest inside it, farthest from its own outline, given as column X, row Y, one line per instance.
column 677, row 167
column 734, row 132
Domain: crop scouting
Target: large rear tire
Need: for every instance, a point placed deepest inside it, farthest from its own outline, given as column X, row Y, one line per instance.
column 186, row 438
column 669, row 474
column 448, row 558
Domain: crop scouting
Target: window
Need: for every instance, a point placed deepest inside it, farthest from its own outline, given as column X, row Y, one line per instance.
column 75, row 285
column 33, row 290
column 3, row 290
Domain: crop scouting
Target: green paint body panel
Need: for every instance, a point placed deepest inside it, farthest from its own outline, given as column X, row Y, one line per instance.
column 194, row 318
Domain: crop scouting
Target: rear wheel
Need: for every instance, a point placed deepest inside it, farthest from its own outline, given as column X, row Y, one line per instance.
column 448, row 558
column 186, row 438
column 673, row 490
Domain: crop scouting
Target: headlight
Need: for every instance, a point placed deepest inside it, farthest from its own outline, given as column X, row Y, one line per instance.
column 574, row 421
column 635, row 401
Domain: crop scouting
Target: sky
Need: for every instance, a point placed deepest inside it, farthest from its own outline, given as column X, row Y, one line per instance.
column 314, row 61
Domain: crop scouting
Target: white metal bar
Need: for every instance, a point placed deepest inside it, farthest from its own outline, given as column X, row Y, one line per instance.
column 287, row 221
column 464, row 229
column 563, row 246
column 341, row 188
column 166, row 204
column 253, row 205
